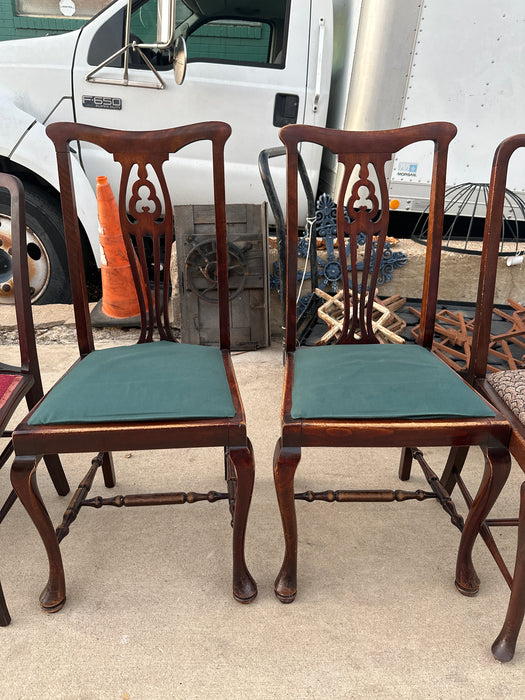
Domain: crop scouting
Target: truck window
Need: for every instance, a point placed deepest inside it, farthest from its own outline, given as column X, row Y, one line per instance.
column 214, row 36
column 231, row 41
column 143, row 29
column 144, row 19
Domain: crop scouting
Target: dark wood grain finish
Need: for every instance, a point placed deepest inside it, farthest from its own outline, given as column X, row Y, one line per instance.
column 143, row 215
column 146, row 216
column 23, row 478
column 362, row 219
column 497, row 469
column 24, row 380
column 285, row 463
column 505, row 644
column 368, row 152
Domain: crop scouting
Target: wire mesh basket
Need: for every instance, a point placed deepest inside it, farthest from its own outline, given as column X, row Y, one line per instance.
column 465, row 210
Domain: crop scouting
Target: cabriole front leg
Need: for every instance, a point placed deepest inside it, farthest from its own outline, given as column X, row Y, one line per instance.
column 497, row 469
column 285, row 463
column 244, row 586
column 23, row 478
column 505, row 644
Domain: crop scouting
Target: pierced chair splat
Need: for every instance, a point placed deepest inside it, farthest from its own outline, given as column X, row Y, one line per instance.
column 17, row 383
column 358, row 392
column 159, row 393
column 506, row 391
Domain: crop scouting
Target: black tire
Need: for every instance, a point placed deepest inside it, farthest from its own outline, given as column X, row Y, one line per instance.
column 46, row 246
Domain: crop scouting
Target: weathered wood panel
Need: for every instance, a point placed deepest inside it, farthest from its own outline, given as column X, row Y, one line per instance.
column 248, row 246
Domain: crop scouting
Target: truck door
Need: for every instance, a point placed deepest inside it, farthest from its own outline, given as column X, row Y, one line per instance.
column 248, row 67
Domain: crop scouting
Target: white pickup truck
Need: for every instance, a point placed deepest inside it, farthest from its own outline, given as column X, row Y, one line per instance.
column 358, row 64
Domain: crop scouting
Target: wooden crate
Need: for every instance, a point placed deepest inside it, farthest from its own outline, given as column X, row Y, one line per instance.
column 247, row 227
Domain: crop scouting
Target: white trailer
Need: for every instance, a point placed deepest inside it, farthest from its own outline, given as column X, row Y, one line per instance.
column 408, row 62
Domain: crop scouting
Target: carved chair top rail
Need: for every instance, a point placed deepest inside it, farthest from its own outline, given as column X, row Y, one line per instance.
column 385, row 141
column 115, row 140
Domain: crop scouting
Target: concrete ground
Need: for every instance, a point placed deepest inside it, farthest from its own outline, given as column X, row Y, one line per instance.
column 150, row 614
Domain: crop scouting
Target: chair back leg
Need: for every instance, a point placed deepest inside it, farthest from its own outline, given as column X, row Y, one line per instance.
column 56, row 473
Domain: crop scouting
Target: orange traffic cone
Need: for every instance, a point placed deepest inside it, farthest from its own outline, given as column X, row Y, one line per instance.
column 119, row 305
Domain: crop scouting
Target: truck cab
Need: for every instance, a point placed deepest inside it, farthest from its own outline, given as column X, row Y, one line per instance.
column 256, row 64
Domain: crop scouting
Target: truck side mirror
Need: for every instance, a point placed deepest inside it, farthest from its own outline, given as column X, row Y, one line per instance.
column 164, row 40
column 180, row 58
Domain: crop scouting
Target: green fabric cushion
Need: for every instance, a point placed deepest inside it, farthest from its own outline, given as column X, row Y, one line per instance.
column 151, row 381
column 379, row 381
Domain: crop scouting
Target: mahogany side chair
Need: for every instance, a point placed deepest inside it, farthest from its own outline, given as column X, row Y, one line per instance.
column 505, row 390
column 158, row 393
column 17, row 383
column 358, row 392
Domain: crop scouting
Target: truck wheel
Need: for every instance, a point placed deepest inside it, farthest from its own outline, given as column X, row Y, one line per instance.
column 46, row 249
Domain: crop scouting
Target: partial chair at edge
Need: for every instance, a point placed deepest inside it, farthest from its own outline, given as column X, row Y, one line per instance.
column 505, row 390
column 359, row 393
column 23, row 381
column 155, row 394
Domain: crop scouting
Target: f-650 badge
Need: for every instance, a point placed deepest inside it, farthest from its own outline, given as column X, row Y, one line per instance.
column 99, row 102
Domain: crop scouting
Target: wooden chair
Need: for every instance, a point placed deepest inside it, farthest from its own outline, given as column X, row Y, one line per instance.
column 505, row 390
column 359, row 393
column 152, row 395
column 17, row 383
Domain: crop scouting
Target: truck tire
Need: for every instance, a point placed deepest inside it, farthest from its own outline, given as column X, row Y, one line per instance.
column 46, row 249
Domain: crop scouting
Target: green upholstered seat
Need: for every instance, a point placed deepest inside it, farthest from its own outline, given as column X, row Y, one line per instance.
column 379, row 381
column 153, row 381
